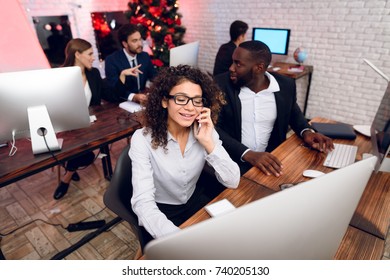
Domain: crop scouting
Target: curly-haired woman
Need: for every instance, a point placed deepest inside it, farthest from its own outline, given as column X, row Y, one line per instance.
column 169, row 153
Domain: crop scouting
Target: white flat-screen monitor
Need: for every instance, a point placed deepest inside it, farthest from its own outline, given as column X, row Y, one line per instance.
column 185, row 54
column 380, row 133
column 305, row 222
column 277, row 39
column 380, row 126
column 42, row 101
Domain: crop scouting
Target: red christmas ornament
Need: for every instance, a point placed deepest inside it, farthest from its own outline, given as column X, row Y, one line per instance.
column 168, row 39
column 157, row 62
column 155, row 11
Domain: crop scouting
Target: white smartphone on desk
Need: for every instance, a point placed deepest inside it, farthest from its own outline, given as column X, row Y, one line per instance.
column 219, row 208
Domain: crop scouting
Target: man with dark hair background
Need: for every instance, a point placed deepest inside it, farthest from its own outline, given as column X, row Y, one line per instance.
column 223, row 59
column 119, row 63
column 259, row 111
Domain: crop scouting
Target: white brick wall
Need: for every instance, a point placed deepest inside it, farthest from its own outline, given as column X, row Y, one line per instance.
column 336, row 34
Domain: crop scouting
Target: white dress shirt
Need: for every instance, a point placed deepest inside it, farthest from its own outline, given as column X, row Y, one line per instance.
column 167, row 176
column 259, row 115
column 88, row 93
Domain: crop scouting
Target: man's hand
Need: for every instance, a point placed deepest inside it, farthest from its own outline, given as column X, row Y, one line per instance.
column 318, row 141
column 266, row 162
column 140, row 98
column 130, row 72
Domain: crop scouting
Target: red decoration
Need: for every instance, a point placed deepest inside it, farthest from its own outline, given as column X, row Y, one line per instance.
column 155, row 11
column 100, row 24
column 160, row 21
column 157, row 62
column 170, row 21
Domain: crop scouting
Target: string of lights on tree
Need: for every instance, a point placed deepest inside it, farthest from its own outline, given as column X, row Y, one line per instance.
column 160, row 25
column 99, row 23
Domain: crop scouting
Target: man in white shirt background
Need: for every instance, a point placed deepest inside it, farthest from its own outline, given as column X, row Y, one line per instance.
column 119, row 63
column 259, row 111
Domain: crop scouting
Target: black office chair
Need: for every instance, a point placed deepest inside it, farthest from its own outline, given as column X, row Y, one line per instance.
column 119, row 192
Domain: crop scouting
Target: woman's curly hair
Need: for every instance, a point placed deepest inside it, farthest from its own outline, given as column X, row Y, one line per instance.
column 156, row 116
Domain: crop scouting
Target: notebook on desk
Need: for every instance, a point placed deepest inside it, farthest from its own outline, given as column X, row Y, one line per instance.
column 335, row 130
column 307, row 221
column 130, row 106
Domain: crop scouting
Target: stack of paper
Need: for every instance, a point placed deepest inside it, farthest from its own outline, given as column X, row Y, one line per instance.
column 130, row 106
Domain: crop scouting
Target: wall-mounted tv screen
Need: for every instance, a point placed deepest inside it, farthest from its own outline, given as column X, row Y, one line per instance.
column 276, row 39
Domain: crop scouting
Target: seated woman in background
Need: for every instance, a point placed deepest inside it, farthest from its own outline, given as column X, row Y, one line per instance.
column 79, row 52
column 169, row 153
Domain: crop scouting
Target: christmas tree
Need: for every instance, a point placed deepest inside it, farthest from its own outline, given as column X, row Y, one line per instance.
column 160, row 25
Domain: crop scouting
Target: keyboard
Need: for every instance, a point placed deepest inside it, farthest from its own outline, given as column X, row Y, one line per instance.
column 341, row 156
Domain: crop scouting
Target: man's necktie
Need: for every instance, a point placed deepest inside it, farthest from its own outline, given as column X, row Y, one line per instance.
column 133, row 64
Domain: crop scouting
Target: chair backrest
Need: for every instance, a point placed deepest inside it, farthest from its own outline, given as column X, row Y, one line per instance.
column 119, row 192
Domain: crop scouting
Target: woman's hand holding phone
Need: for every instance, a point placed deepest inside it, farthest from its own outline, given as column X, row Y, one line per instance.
column 203, row 129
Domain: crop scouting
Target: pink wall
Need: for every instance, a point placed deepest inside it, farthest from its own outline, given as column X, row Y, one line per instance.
column 19, row 45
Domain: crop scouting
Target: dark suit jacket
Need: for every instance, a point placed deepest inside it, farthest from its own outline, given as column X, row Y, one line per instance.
column 116, row 62
column 98, row 87
column 223, row 60
column 99, row 90
column 229, row 122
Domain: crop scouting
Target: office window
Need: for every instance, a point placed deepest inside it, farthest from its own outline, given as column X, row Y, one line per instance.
column 106, row 25
column 53, row 34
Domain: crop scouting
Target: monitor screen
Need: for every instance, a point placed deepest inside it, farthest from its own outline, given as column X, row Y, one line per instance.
column 305, row 222
column 380, row 130
column 185, row 54
column 275, row 38
column 23, row 94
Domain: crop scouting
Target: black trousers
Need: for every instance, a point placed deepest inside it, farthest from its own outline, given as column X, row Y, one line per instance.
column 80, row 161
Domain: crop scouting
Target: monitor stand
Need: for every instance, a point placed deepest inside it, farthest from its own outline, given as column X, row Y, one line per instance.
column 41, row 129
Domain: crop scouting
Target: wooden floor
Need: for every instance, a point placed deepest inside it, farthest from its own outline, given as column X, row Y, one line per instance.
column 24, row 202
column 30, row 199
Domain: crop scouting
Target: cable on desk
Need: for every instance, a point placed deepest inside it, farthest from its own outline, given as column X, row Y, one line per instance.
column 48, row 148
column 13, row 148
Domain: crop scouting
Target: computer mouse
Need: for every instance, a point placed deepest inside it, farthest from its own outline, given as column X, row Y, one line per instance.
column 311, row 173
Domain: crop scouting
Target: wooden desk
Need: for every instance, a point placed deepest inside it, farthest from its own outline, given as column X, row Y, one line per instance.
column 373, row 212
column 246, row 192
column 113, row 124
column 356, row 244
column 284, row 70
column 359, row 245
column 363, row 239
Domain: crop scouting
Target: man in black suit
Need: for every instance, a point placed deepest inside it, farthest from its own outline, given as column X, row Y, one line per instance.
column 117, row 66
column 260, row 108
column 223, row 60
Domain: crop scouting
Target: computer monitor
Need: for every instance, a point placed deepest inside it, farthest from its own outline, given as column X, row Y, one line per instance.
column 380, row 127
column 277, row 39
column 380, row 133
column 185, row 54
column 51, row 99
column 307, row 221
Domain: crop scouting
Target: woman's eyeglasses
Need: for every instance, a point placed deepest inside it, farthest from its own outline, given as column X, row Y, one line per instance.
column 183, row 100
